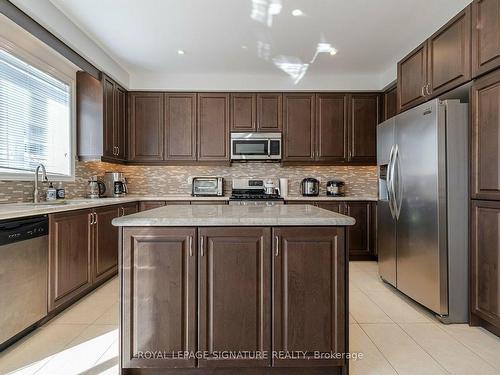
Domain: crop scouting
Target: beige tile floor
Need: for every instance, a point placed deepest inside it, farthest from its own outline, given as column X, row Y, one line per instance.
column 395, row 335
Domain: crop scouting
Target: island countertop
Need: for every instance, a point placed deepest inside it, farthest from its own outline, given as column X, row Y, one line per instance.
column 229, row 215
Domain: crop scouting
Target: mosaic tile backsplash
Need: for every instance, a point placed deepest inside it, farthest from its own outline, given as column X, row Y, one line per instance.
column 165, row 180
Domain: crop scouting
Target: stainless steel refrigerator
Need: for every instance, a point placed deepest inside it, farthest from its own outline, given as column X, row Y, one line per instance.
column 422, row 211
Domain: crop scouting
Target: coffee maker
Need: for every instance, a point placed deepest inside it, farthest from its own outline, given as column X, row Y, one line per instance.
column 116, row 184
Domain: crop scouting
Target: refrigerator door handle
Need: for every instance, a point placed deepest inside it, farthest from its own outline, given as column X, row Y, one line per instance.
column 393, row 197
column 398, row 194
column 390, row 190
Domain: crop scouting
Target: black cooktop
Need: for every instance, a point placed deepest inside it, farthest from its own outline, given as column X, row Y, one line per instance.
column 254, row 195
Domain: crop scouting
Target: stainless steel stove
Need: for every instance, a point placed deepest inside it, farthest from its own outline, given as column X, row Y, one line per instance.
column 252, row 192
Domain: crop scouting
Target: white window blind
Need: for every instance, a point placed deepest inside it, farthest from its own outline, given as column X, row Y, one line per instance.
column 35, row 119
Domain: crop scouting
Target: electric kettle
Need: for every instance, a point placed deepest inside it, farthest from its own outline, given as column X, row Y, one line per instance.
column 96, row 187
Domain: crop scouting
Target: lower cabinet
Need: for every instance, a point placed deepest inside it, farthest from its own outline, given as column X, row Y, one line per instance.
column 484, row 265
column 70, row 256
column 159, row 297
column 234, row 295
column 83, row 251
column 149, row 205
column 361, row 237
column 309, row 309
column 261, row 292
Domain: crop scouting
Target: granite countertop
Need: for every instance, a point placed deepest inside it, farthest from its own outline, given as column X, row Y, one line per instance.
column 17, row 210
column 228, row 215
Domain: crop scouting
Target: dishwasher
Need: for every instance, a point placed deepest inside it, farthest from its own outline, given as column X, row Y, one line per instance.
column 23, row 275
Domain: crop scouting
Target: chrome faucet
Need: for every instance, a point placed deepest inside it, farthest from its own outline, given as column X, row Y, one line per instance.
column 44, row 179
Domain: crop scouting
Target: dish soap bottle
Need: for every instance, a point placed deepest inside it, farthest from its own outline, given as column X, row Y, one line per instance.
column 61, row 193
column 51, row 193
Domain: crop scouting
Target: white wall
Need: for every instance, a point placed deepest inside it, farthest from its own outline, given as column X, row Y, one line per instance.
column 57, row 23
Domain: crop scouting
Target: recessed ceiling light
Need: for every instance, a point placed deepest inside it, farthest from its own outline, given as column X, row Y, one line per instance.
column 181, row 52
column 333, row 51
column 244, row 47
column 297, row 13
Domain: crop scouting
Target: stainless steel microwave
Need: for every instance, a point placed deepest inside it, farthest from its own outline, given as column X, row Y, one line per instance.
column 256, row 146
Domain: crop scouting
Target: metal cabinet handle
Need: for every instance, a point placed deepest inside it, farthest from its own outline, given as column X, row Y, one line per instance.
column 422, row 90
column 202, row 252
column 427, row 89
column 277, row 249
column 190, row 246
column 95, row 218
column 117, row 150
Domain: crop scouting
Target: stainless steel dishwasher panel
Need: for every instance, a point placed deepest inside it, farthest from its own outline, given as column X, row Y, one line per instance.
column 23, row 285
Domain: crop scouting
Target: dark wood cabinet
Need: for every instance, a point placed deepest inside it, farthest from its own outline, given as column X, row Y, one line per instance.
column 309, row 281
column 180, row 126
column 105, row 243
column 159, row 262
column 261, row 112
column 299, row 127
column 485, row 163
column 149, row 205
column 484, row 265
column 234, row 294
column 70, row 255
column 269, row 112
column 114, row 120
column 485, row 36
column 243, row 112
column 128, row 209
column 146, row 126
column 213, row 127
column 108, row 90
column 363, row 120
column 331, row 206
column 390, row 103
column 449, row 55
column 361, row 236
column 331, row 128
column 412, row 78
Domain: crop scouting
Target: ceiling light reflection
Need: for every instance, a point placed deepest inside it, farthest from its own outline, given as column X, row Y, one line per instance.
column 292, row 66
column 263, row 11
column 297, row 13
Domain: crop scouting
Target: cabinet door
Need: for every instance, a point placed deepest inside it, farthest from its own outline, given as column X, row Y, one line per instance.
column 109, row 145
column 390, row 103
column 299, row 127
column 128, row 209
column 105, row 259
column 213, row 127
column 243, row 112
column 269, row 112
column 234, row 294
column 309, row 313
column 331, row 206
column 331, row 130
column 120, row 123
column 485, row 262
column 149, row 205
column 360, row 236
column 158, row 262
column 363, row 121
column 180, row 126
column 485, row 171
column 449, row 54
column 412, row 78
column 146, row 126
column 70, row 239
column 485, row 36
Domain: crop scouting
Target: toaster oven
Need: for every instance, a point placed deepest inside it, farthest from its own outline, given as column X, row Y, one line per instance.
column 207, row 187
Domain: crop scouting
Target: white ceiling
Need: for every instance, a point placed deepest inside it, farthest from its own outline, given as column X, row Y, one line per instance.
column 143, row 36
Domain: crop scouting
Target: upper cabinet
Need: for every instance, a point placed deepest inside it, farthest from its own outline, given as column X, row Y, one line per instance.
column 213, row 127
column 485, row 155
column 180, row 126
column 101, row 118
column 449, row 55
column 363, row 121
column 438, row 65
column 146, row 126
column 485, row 36
column 390, row 103
column 331, row 129
column 299, row 127
column 252, row 112
column 412, row 78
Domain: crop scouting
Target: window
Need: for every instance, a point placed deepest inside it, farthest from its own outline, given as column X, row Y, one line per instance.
column 35, row 120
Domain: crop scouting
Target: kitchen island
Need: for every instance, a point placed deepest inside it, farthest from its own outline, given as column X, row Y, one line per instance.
column 221, row 289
